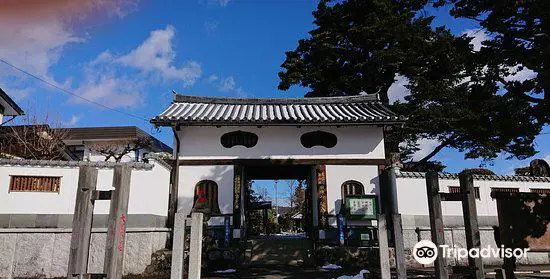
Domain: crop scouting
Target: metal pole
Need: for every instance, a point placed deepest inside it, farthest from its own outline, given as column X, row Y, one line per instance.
column 276, row 203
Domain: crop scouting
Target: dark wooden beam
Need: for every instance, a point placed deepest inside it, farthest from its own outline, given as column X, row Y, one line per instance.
column 471, row 226
column 256, row 162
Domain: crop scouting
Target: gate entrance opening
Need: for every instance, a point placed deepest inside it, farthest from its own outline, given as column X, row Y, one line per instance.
column 278, row 204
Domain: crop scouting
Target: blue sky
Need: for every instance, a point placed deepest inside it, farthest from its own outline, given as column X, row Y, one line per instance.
column 130, row 56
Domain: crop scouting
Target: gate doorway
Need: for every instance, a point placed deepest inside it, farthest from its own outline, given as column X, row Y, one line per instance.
column 278, row 214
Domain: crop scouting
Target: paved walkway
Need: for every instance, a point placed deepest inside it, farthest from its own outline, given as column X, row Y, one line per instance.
column 283, row 272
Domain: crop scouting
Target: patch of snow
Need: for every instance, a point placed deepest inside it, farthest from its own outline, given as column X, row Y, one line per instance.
column 358, row 276
column 331, row 266
column 225, row 271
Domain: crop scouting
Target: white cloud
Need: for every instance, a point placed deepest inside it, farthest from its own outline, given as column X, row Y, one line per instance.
column 547, row 158
column 16, row 93
column 112, row 80
column 426, row 146
column 520, row 73
column 73, row 120
column 112, row 90
column 156, row 55
column 230, row 85
column 212, row 78
column 34, row 46
column 35, row 33
column 478, row 36
column 227, row 84
column 398, row 91
column 211, row 25
column 224, row 3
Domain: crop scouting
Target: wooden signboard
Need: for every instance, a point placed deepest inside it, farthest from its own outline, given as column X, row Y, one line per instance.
column 524, row 220
column 361, row 207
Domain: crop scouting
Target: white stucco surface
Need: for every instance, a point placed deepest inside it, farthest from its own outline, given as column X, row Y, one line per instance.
column 148, row 191
column 276, row 142
column 189, row 176
column 412, row 198
column 338, row 174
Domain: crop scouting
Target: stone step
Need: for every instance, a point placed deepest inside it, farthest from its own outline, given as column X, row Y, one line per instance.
column 279, row 251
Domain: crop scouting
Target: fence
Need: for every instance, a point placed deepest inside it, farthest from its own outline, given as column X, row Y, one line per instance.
column 35, row 224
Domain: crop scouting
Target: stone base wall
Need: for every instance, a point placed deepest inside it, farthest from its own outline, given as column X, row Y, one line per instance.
column 44, row 253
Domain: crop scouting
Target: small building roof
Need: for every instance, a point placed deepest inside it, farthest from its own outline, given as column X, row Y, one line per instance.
column 114, row 133
column 10, row 108
column 351, row 110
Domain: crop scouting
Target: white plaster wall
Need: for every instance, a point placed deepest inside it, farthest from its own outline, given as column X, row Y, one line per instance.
column 148, row 193
column 275, row 142
column 190, row 175
column 338, row 174
column 412, row 198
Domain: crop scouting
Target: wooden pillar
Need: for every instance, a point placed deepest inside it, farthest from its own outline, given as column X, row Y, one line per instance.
column 237, row 185
column 82, row 221
column 471, row 226
column 243, row 203
column 314, row 205
column 399, row 247
column 265, row 220
column 385, row 271
column 436, row 222
column 195, row 245
column 173, row 197
column 389, row 182
column 321, row 173
column 116, row 233
column 509, row 263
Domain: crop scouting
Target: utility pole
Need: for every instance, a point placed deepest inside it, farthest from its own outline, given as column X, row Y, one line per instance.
column 276, row 203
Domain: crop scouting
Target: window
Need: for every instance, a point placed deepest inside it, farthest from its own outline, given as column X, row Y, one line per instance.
column 20, row 183
column 318, row 138
column 243, row 138
column 206, row 197
column 352, row 188
column 504, row 190
column 540, row 191
column 456, row 189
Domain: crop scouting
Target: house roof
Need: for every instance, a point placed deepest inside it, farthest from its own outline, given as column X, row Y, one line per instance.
column 114, row 133
column 10, row 107
column 8, row 132
column 351, row 110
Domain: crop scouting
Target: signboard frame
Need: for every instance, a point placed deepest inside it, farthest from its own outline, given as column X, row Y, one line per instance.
column 351, row 216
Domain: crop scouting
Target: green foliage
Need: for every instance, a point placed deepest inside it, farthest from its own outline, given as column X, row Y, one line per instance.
column 519, row 38
column 460, row 97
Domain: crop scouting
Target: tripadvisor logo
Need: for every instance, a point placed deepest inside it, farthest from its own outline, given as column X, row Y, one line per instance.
column 425, row 252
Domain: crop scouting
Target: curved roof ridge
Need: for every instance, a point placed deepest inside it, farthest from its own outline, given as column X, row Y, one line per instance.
column 179, row 98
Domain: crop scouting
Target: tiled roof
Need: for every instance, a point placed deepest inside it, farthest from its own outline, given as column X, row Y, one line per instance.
column 115, row 132
column 355, row 110
column 54, row 163
column 15, row 109
column 442, row 175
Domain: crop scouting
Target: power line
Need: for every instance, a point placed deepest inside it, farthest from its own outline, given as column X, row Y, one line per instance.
column 71, row 93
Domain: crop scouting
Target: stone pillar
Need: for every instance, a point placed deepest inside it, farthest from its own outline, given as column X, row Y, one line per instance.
column 178, row 247
column 195, row 249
